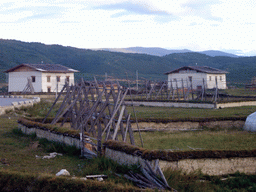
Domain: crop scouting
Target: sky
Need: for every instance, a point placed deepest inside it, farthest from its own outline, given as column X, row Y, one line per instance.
column 197, row 25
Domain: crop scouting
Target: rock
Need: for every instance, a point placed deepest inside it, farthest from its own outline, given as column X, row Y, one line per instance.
column 63, row 172
column 99, row 179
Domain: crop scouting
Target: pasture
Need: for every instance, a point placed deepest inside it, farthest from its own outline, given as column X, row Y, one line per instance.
column 18, row 152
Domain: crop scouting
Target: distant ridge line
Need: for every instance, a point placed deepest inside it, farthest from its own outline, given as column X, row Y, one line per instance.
column 157, row 51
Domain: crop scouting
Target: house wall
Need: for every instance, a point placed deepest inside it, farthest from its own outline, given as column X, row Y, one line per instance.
column 221, row 81
column 197, row 79
column 18, row 80
column 53, row 81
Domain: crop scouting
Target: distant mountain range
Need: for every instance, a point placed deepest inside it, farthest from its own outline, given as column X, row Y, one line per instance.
column 162, row 52
column 123, row 64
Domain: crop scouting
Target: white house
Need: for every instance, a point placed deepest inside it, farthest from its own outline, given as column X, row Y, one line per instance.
column 44, row 77
column 198, row 76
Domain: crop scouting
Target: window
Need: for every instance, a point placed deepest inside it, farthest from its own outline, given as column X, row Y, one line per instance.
column 48, row 78
column 210, row 78
column 33, row 79
column 190, row 78
column 48, row 89
column 67, row 79
column 220, row 78
column 58, row 78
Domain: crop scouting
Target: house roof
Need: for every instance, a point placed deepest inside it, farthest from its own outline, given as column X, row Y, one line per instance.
column 50, row 68
column 202, row 69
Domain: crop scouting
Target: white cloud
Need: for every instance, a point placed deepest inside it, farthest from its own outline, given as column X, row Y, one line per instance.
column 192, row 24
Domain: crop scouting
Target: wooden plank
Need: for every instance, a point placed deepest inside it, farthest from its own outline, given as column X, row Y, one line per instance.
column 118, row 122
column 64, row 87
column 68, row 108
column 127, row 127
column 159, row 91
column 131, row 135
column 99, row 138
column 183, row 89
column 151, row 91
column 114, row 113
column 92, row 109
column 65, row 101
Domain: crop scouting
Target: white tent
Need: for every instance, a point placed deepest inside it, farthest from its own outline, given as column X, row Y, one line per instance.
column 250, row 123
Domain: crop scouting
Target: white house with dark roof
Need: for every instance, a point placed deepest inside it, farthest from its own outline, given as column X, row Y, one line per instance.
column 44, row 77
column 199, row 76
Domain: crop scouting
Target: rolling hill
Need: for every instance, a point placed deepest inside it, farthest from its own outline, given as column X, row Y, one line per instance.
column 117, row 64
column 162, row 52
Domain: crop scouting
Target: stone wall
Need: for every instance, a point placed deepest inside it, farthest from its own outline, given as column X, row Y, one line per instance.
column 171, row 104
column 29, row 102
column 68, row 140
column 188, row 125
column 191, row 105
column 220, row 166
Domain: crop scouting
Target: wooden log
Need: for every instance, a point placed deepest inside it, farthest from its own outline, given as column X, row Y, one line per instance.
column 127, row 127
column 139, row 182
column 163, row 177
column 96, row 176
column 118, row 122
column 64, row 103
column 115, row 111
column 91, row 111
column 131, row 135
column 150, row 92
column 62, row 90
column 159, row 91
column 151, row 179
column 69, row 107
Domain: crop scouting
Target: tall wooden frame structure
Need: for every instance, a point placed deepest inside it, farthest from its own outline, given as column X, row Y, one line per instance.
column 97, row 110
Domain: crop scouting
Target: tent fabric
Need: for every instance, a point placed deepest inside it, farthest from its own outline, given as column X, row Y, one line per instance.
column 250, row 123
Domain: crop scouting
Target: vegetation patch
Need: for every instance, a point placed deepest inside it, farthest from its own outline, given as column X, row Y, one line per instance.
column 168, row 114
column 49, row 127
column 175, row 156
column 16, row 181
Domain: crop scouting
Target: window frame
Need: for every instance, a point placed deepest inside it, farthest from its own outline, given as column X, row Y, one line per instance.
column 48, row 79
column 58, row 78
column 33, row 79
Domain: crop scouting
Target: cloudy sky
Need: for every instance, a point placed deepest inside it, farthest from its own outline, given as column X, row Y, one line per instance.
column 198, row 25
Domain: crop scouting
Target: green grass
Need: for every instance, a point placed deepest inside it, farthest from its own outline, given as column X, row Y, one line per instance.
column 240, row 92
column 39, row 109
column 17, row 155
column 144, row 113
column 196, row 181
column 204, row 140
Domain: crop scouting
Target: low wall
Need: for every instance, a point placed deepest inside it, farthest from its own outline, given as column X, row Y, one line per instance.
column 188, row 125
column 191, row 105
column 236, row 104
column 210, row 166
column 18, row 104
column 171, row 104
column 68, row 140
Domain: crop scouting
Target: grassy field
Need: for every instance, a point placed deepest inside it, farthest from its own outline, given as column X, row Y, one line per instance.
column 240, row 92
column 199, row 140
column 166, row 113
column 144, row 113
column 18, row 152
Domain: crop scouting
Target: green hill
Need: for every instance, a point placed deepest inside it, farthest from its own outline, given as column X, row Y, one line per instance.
column 96, row 63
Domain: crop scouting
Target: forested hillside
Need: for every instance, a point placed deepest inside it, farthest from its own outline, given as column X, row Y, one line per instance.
column 91, row 63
